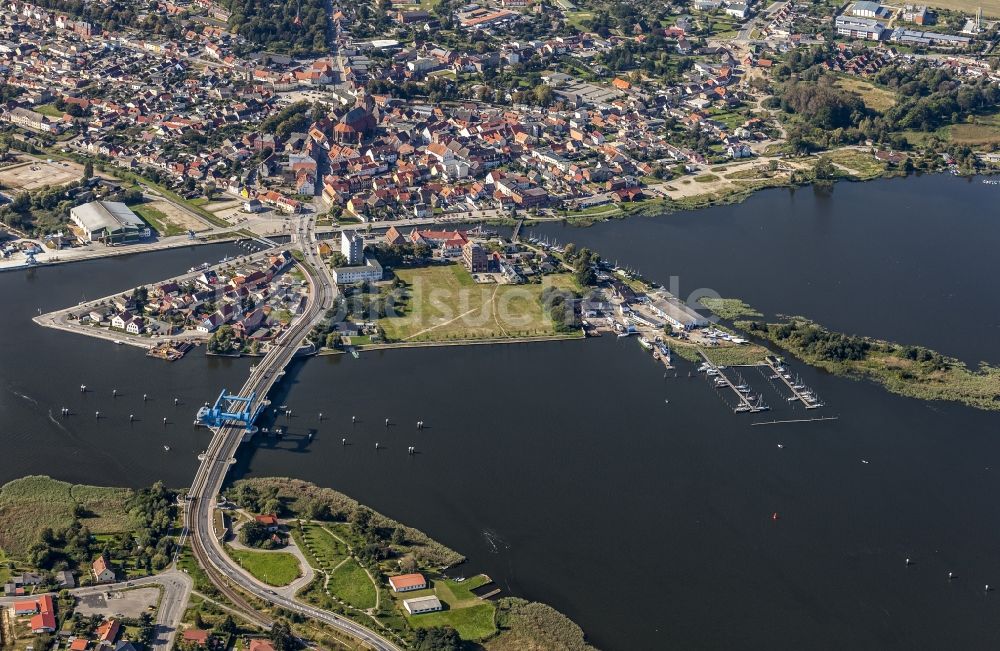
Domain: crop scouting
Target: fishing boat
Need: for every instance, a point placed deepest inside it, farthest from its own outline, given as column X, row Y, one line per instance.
column 200, row 267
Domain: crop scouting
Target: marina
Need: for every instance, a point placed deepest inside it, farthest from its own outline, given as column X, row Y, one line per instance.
column 800, row 392
column 746, row 401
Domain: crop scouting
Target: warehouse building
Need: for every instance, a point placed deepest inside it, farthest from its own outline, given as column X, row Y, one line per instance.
column 110, row 222
column 419, row 605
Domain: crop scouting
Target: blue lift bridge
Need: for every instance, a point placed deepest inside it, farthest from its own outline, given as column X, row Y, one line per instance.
column 230, row 410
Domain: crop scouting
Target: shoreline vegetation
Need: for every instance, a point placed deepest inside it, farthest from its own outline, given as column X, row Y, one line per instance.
column 355, row 546
column 912, row 371
column 48, row 525
column 725, row 185
column 907, row 370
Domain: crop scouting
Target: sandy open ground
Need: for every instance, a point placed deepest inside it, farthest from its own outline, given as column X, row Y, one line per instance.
column 33, row 174
column 179, row 217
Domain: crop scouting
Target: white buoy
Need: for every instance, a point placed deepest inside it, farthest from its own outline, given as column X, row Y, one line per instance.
column 907, row 562
column 97, row 414
column 321, row 415
column 131, row 417
column 114, row 393
column 376, row 445
column 164, row 420
column 83, row 388
column 144, row 397
column 951, row 576
column 387, row 422
column 343, row 441
column 354, row 419
column 176, row 400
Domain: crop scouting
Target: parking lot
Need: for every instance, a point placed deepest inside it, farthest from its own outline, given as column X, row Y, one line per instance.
column 125, row 603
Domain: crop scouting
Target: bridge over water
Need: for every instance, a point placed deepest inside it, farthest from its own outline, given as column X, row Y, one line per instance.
column 230, row 418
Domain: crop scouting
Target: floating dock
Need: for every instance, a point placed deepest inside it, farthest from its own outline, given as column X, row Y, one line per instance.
column 744, row 406
column 170, row 351
column 799, row 392
column 797, row 420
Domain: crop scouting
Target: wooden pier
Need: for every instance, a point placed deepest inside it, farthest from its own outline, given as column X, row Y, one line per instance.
column 798, row 394
column 744, row 401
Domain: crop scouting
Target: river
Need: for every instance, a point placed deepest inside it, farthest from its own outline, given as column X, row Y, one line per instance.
column 576, row 474
column 41, row 371
column 907, row 259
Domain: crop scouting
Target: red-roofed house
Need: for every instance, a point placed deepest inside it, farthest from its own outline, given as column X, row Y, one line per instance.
column 261, row 645
column 103, row 573
column 79, row 644
column 196, row 636
column 25, row 607
column 268, row 520
column 43, row 623
column 450, row 242
column 45, row 620
column 108, row 631
column 407, row 582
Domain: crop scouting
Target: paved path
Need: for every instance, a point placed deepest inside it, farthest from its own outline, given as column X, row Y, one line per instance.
column 307, row 573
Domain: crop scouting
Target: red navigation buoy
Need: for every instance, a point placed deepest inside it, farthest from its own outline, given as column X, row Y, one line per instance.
column 774, row 516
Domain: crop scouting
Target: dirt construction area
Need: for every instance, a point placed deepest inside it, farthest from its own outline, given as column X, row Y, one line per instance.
column 179, row 217
column 124, row 603
column 32, row 174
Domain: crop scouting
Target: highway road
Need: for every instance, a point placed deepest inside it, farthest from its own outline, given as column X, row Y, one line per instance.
column 212, row 471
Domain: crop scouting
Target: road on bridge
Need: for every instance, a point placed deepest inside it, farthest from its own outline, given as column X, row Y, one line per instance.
column 212, row 471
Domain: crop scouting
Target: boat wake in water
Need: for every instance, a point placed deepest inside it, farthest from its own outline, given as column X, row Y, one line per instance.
column 495, row 542
column 59, row 425
column 24, row 396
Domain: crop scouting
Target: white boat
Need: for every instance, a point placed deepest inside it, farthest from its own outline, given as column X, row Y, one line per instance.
column 119, row 342
column 645, row 343
column 166, row 448
column 719, row 382
column 742, row 408
column 711, row 372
